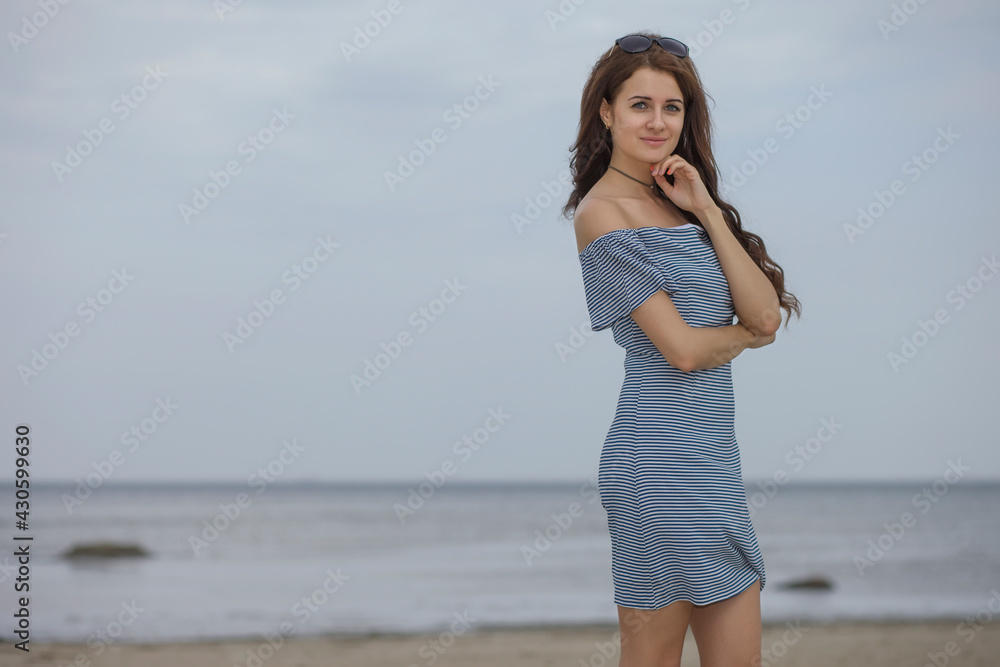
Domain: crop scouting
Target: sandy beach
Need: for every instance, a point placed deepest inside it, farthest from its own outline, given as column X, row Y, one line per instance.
column 937, row 643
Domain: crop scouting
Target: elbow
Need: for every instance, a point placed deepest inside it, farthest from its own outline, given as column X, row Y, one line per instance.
column 681, row 357
column 770, row 327
column 687, row 355
column 684, row 364
column 766, row 323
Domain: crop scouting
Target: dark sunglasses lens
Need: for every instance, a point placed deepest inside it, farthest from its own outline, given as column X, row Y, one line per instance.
column 679, row 49
column 634, row 43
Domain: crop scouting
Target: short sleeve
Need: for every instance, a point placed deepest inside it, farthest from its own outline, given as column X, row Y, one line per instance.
column 619, row 274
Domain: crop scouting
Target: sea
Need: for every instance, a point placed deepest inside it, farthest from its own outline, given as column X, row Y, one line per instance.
column 237, row 561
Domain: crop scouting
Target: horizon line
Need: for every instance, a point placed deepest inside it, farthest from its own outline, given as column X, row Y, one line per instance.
column 480, row 482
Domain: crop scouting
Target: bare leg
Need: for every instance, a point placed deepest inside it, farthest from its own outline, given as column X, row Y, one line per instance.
column 653, row 637
column 728, row 632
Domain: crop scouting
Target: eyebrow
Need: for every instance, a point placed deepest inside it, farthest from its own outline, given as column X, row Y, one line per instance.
column 644, row 97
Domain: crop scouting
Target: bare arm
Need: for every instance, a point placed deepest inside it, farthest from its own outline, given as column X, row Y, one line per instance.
column 684, row 347
column 754, row 298
column 690, row 348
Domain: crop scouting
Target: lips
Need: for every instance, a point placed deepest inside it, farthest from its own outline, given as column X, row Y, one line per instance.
column 653, row 141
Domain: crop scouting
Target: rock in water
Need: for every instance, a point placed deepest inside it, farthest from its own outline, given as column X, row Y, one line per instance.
column 105, row 550
column 808, row 584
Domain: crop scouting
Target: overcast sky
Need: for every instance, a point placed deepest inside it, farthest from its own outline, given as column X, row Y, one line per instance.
column 171, row 168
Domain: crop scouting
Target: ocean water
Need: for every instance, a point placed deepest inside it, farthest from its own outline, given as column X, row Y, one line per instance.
column 344, row 559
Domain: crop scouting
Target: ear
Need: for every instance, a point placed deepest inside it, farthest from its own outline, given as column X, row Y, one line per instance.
column 605, row 111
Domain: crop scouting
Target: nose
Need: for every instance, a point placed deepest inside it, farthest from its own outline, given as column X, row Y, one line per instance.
column 657, row 120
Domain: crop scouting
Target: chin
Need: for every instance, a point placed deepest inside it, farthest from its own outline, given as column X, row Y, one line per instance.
column 655, row 154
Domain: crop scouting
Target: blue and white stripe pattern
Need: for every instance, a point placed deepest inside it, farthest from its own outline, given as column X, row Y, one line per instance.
column 669, row 476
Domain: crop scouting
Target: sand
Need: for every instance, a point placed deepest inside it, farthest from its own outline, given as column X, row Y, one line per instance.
column 863, row 645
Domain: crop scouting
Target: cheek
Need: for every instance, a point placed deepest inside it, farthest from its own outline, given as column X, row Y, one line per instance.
column 636, row 123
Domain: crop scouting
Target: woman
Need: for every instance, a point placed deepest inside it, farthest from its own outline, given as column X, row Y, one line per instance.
column 666, row 265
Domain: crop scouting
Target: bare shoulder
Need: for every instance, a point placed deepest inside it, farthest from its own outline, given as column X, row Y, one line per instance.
column 596, row 216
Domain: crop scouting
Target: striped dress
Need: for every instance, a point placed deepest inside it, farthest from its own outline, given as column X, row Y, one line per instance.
column 669, row 475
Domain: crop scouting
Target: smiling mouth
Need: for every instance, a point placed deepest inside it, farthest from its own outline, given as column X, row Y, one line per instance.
column 654, row 141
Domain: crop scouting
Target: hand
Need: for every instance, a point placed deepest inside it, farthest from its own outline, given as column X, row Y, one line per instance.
column 758, row 341
column 688, row 191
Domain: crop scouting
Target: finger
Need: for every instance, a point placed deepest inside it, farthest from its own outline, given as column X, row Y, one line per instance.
column 658, row 167
column 659, row 178
column 663, row 184
column 667, row 161
column 662, row 166
column 681, row 166
column 671, row 164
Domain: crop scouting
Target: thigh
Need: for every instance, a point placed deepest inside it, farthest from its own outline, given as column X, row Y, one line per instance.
column 728, row 632
column 653, row 636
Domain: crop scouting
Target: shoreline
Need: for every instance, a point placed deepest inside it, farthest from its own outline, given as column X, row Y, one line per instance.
column 789, row 644
column 481, row 628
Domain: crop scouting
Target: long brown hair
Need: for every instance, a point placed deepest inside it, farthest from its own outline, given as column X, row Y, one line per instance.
column 591, row 154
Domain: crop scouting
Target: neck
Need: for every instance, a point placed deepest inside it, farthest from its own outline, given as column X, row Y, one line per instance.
column 633, row 173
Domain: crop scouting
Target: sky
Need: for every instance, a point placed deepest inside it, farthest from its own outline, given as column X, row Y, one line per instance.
column 323, row 240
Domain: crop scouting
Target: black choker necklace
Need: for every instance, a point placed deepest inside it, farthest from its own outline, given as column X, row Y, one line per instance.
column 656, row 190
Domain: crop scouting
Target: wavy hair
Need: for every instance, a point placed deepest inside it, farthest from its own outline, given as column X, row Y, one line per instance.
column 591, row 154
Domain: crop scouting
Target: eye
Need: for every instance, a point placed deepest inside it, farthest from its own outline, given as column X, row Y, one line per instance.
column 671, row 107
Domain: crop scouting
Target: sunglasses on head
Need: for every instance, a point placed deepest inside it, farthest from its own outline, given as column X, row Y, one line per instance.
column 640, row 43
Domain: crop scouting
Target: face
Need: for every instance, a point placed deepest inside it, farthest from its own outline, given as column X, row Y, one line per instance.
column 647, row 116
